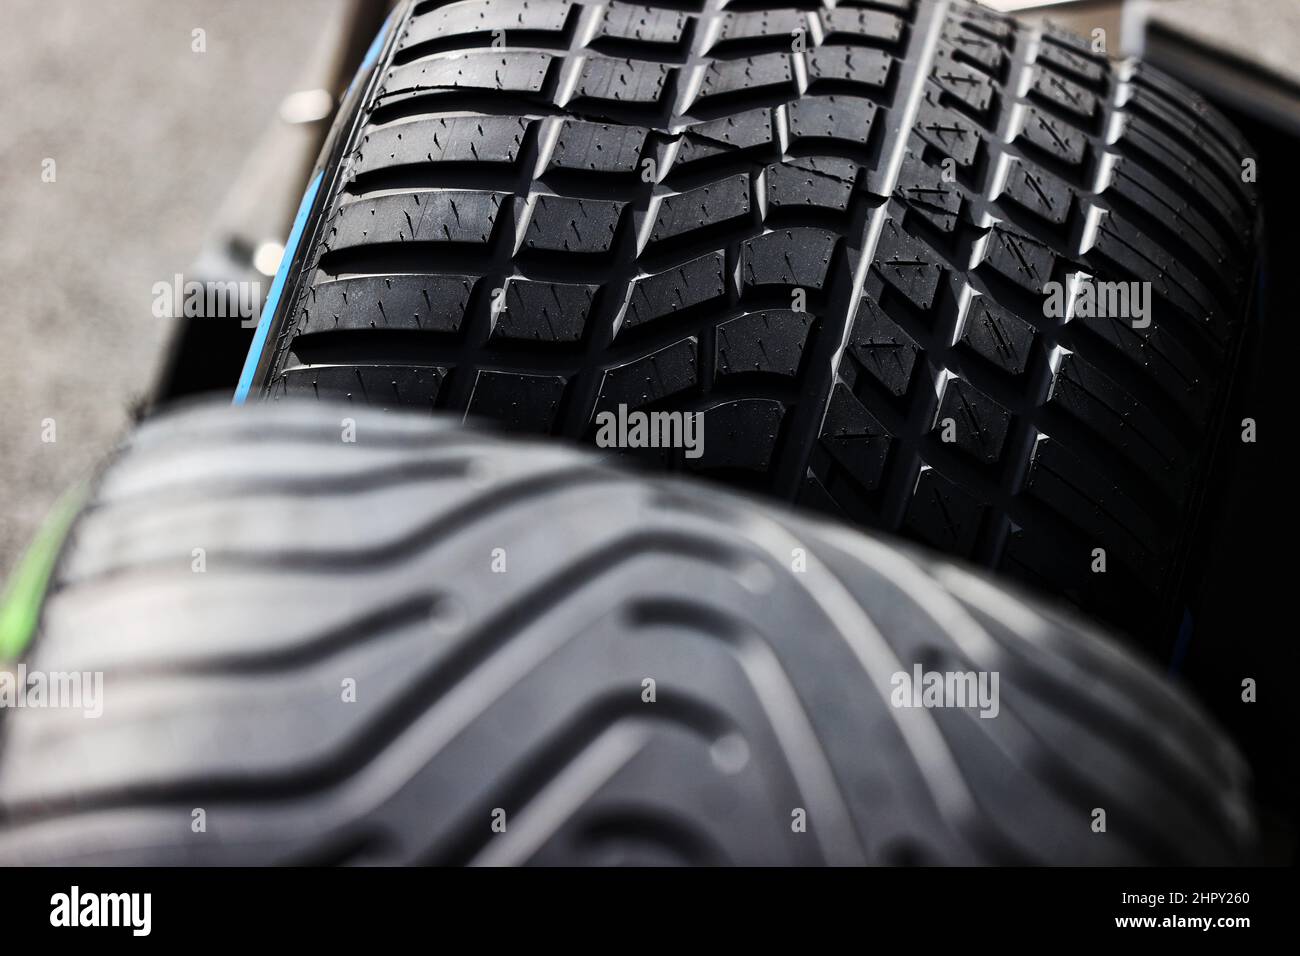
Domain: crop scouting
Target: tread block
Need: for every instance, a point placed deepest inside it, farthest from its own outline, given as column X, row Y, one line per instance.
column 927, row 194
column 1050, row 87
column 796, row 257
column 823, row 182
column 859, row 26
column 424, row 303
column 757, row 24
column 597, row 147
column 1055, row 35
column 770, row 342
column 691, row 284
column 979, row 424
column 465, row 216
column 849, row 65
column 629, row 82
column 1020, row 257
column 652, row 26
column 948, row 131
column 766, row 73
column 883, row 349
column 747, row 131
column 545, row 312
column 987, row 22
column 1048, row 197
column 711, row 206
column 855, row 439
column 521, row 402
column 1070, row 59
column 740, row 435
column 669, row 371
column 973, row 48
column 1053, row 136
column 908, row 265
column 380, row 386
column 513, row 72
column 968, row 85
column 943, row 515
column 446, row 139
column 997, row 336
column 484, row 16
column 561, row 224
column 847, row 119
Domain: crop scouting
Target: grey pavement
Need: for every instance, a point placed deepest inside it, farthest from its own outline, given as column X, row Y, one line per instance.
column 146, row 135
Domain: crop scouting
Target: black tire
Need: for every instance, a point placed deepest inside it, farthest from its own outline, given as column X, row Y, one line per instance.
column 476, row 690
column 473, row 174
column 486, row 244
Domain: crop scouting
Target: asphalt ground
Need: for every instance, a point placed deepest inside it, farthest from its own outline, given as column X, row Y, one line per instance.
column 145, row 135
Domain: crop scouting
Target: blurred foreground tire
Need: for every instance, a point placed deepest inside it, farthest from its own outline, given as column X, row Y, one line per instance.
column 339, row 638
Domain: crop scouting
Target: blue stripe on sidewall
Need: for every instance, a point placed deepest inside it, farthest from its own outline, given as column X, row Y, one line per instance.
column 377, row 44
column 372, row 54
column 277, row 287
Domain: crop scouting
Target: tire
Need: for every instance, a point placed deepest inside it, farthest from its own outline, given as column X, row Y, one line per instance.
column 498, row 606
column 486, row 242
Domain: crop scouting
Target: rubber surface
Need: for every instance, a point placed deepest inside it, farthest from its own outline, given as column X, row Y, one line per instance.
column 621, row 204
column 497, row 607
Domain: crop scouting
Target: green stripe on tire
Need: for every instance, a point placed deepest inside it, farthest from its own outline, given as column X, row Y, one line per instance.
column 20, row 607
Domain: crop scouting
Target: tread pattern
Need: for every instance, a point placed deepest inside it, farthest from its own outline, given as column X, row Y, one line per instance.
column 599, row 210
column 372, row 560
